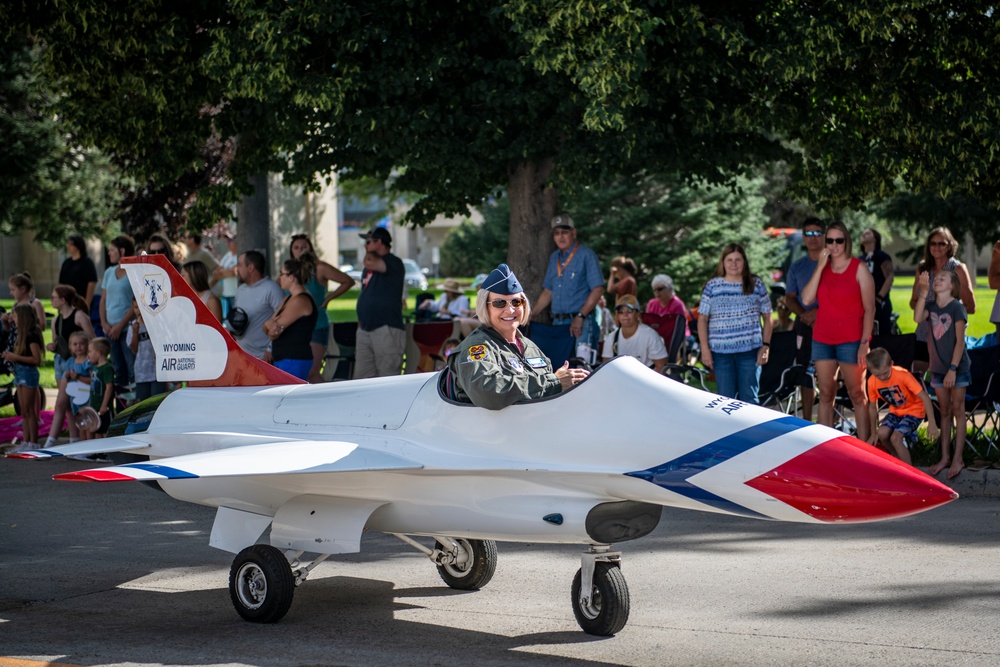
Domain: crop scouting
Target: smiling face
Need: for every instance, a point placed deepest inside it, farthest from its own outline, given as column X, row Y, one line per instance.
column 733, row 263
column 506, row 320
column 628, row 318
column 939, row 248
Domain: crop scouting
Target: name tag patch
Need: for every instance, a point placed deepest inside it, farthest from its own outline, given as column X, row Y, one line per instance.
column 477, row 353
column 536, row 362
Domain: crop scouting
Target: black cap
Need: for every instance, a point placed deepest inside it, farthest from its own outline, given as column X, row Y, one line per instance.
column 379, row 234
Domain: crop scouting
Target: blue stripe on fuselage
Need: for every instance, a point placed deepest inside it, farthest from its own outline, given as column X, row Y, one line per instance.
column 169, row 473
column 674, row 475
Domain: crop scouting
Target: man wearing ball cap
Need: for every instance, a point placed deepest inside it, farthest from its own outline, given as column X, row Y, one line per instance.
column 496, row 365
column 573, row 285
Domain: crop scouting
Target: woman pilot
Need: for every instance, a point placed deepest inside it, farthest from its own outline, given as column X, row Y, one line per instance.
column 496, row 365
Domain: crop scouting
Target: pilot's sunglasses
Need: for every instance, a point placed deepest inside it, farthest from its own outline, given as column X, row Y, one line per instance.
column 831, row 241
column 502, row 303
column 812, row 234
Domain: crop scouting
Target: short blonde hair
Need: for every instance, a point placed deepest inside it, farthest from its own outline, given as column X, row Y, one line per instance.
column 483, row 299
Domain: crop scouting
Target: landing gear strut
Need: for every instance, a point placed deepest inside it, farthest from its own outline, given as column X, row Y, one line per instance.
column 466, row 565
column 599, row 594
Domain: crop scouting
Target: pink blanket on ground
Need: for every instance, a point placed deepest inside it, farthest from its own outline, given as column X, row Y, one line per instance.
column 10, row 427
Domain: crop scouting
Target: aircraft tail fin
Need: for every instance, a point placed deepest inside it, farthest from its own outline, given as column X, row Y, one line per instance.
column 191, row 344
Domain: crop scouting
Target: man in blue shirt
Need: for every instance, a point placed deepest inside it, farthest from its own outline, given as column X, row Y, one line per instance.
column 573, row 285
column 381, row 333
column 799, row 273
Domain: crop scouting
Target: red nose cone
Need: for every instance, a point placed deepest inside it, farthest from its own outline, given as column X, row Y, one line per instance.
column 846, row 480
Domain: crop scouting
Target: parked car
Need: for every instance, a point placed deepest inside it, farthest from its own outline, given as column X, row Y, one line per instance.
column 416, row 277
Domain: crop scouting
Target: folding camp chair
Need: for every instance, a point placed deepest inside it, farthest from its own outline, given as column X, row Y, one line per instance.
column 671, row 330
column 429, row 337
column 339, row 360
column 982, row 398
column 780, row 377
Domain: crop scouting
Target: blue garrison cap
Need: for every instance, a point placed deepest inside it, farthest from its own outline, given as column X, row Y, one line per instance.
column 502, row 281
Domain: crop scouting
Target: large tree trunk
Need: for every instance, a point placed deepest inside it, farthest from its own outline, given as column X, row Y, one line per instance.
column 254, row 216
column 532, row 205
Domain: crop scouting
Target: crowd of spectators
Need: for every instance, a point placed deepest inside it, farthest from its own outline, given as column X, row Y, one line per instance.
column 835, row 300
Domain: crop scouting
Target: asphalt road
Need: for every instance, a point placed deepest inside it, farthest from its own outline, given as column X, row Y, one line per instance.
column 119, row 574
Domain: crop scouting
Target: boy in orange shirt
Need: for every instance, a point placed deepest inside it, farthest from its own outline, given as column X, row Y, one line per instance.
column 908, row 404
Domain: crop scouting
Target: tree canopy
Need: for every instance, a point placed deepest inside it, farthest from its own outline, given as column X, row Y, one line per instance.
column 47, row 183
column 541, row 97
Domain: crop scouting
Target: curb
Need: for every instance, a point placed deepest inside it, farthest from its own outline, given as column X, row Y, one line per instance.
column 970, row 483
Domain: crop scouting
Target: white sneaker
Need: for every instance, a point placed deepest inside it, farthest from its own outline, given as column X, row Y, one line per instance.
column 25, row 447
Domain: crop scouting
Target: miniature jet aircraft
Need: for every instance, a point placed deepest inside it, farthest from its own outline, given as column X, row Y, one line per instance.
column 299, row 469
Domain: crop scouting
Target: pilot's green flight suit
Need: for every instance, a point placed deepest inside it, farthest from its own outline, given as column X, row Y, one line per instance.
column 492, row 373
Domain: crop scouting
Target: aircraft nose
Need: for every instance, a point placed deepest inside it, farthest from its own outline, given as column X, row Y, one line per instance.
column 846, row 480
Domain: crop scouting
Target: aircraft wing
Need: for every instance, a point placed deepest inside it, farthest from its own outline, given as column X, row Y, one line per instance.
column 275, row 458
column 85, row 448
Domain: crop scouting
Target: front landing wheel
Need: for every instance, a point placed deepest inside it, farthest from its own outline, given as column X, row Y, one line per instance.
column 261, row 584
column 474, row 568
column 606, row 611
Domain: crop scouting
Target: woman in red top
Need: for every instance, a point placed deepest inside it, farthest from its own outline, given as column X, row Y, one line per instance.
column 842, row 333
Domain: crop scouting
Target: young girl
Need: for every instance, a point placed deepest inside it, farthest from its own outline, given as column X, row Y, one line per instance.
column 25, row 358
column 77, row 378
column 73, row 317
column 949, row 361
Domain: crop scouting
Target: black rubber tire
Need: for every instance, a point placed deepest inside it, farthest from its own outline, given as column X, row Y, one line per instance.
column 608, row 611
column 477, row 572
column 261, row 584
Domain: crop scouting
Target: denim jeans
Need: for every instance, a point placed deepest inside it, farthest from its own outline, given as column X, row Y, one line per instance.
column 737, row 375
column 122, row 360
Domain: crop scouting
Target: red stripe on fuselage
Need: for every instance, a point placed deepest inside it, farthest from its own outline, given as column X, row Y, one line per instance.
column 846, row 480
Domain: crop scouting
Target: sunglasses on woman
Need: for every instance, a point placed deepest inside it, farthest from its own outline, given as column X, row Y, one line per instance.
column 502, row 303
column 838, row 241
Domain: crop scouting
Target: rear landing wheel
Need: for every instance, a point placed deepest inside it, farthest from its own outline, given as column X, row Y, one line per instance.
column 261, row 584
column 605, row 612
column 474, row 568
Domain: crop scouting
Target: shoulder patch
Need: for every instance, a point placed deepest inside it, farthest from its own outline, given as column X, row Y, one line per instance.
column 477, row 353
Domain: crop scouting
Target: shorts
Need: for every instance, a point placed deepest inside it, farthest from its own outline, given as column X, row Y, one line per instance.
column 961, row 379
column 25, row 376
column 298, row 367
column 61, row 365
column 905, row 424
column 321, row 336
column 845, row 353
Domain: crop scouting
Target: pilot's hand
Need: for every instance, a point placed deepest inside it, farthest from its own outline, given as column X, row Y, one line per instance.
column 570, row 376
